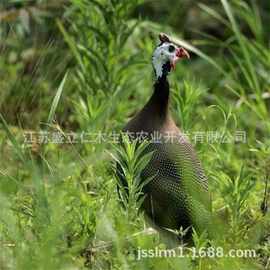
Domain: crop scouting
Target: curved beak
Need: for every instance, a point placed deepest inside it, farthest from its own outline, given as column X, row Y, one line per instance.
column 180, row 53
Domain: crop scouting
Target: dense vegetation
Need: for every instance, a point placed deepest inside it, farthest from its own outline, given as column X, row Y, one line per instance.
column 71, row 75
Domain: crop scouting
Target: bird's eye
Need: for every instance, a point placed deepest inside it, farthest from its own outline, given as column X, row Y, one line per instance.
column 171, row 48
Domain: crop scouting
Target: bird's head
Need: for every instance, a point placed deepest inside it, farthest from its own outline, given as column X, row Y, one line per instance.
column 166, row 55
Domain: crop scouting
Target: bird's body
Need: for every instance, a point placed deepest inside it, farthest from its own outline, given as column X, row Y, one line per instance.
column 177, row 196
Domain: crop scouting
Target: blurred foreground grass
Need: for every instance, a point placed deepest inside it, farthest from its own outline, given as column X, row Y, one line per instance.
column 78, row 69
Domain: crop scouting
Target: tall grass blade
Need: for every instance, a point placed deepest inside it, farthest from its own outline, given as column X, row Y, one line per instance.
column 242, row 44
column 198, row 52
column 12, row 138
column 56, row 100
column 214, row 14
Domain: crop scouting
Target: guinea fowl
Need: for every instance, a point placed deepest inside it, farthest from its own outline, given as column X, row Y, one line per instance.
column 177, row 196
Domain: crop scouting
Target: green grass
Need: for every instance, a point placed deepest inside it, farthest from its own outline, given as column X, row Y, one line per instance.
column 86, row 73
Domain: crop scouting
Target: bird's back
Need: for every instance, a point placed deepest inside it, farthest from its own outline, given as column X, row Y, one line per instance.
column 178, row 193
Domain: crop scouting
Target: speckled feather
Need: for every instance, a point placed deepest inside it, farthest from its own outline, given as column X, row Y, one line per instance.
column 178, row 193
